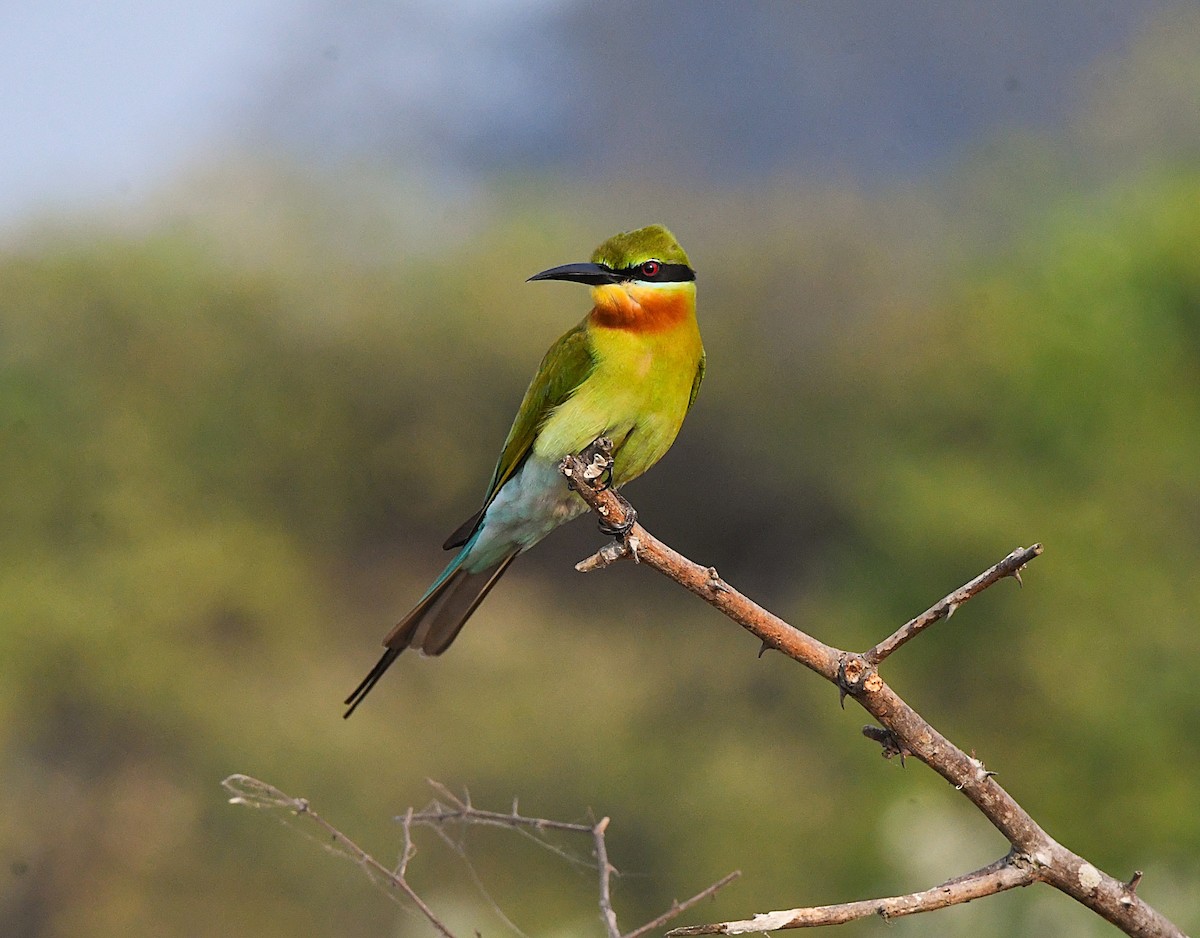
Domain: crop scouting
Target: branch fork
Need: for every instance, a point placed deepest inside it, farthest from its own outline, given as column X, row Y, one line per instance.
column 1034, row 856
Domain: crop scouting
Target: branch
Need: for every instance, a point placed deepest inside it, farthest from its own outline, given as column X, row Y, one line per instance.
column 257, row 794
column 678, row 907
column 997, row 877
column 857, row 676
column 461, row 810
column 1012, row 565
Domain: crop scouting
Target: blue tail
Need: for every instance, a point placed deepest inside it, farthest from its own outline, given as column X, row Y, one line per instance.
column 436, row 620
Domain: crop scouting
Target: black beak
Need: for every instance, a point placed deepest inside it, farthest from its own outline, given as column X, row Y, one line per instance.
column 593, row 274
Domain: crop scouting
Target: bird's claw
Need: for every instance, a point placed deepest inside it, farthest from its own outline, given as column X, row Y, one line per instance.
column 619, row 529
column 597, row 458
column 598, row 463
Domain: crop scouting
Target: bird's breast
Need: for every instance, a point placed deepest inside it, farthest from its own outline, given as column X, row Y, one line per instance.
column 637, row 394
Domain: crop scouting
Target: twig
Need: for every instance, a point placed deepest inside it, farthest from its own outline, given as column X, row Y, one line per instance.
column 994, row 878
column 257, row 794
column 606, row 556
column 462, row 810
column 703, row 581
column 459, row 848
column 679, row 907
column 854, row 674
column 606, row 870
column 945, row 608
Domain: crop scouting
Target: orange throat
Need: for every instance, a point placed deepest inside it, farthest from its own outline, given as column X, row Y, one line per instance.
column 642, row 308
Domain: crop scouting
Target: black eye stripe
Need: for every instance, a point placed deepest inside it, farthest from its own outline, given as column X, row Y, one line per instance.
column 667, row 273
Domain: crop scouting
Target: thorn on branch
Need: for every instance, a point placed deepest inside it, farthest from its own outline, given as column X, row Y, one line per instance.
column 981, row 772
column 715, row 583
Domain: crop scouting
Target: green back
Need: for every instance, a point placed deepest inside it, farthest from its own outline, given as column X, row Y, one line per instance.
column 563, row 369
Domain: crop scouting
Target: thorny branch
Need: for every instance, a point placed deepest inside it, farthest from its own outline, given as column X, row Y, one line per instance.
column 945, row 608
column 1035, row 855
column 258, row 794
column 996, row 877
column 255, row 794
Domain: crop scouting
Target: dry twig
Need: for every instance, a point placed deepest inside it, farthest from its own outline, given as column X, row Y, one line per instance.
column 996, row 877
column 1012, row 565
column 257, row 794
column 1035, row 855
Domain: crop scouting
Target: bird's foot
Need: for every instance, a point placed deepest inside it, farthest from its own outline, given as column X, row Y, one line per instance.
column 598, row 461
column 615, row 529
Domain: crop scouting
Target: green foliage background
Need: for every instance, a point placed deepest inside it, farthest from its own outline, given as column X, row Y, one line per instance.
column 235, row 430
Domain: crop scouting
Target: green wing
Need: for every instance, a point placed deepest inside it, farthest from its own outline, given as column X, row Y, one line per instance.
column 565, row 367
column 699, row 379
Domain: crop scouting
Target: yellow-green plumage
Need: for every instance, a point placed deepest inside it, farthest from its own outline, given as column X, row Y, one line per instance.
column 636, row 394
column 629, row 371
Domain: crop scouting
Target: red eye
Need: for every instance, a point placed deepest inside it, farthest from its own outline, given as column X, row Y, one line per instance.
column 651, row 268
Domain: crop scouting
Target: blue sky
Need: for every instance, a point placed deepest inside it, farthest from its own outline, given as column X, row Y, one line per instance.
column 105, row 103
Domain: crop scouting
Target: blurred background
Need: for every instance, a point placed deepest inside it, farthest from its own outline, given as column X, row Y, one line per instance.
column 264, row 324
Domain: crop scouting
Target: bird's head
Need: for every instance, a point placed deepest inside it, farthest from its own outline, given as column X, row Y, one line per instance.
column 639, row 279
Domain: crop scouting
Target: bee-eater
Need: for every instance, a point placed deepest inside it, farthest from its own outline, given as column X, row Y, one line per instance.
column 629, row 372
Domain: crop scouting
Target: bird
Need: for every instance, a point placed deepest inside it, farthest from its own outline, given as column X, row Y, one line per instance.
column 629, row 372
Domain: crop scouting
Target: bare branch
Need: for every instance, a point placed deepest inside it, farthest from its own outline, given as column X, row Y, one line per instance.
column 606, row 871
column 463, row 810
column 256, row 794
column 944, row 608
column 606, row 556
column 703, row 581
column 997, row 877
column 679, row 907
column 856, row 675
